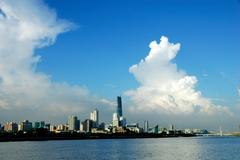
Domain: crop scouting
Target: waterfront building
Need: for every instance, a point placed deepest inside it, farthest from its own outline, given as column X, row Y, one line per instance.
column 134, row 128
column 87, row 126
column 118, row 120
column 146, row 127
column 37, row 125
column 171, row 127
column 62, row 128
column 94, row 116
column 25, row 126
column 81, row 127
column 19, row 127
column 164, row 131
column 108, row 127
column 73, row 123
column 102, row 126
column 115, row 121
column 53, row 128
column 47, row 126
column 154, row 129
column 119, row 106
column 122, row 122
column 40, row 124
column 78, row 125
column 195, row 131
column 11, row 127
column 119, row 130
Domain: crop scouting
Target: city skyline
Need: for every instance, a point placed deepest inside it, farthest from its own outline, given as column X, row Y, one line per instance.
column 91, row 125
column 167, row 70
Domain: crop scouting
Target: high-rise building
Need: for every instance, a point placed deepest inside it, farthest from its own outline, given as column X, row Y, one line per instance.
column 95, row 118
column 115, row 121
column 42, row 124
column 25, row 126
column 122, row 122
column 118, row 119
column 73, row 123
column 81, row 126
column 119, row 106
column 78, row 125
column 39, row 124
column 171, row 127
column 146, row 126
column 87, row 126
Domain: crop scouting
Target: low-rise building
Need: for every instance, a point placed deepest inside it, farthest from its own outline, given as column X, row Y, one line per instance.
column 119, row 130
column 195, row 131
column 53, row 128
column 11, row 127
column 154, row 130
column 134, row 128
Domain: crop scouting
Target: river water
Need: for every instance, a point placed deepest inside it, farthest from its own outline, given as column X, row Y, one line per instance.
column 197, row 148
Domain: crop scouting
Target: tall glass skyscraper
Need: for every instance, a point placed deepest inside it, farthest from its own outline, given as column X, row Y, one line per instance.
column 118, row 119
column 119, row 106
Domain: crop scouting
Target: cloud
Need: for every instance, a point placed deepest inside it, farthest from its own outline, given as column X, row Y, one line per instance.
column 166, row 89
column 24, row 27
column 238, row 91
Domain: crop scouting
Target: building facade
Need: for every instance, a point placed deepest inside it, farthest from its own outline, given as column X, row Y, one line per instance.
column 73, row 123
column 87, row 126
column 119, row 106
column 94, row 116
column 25, row 126
column 40, row 124
column 11, row 127
column 115, row 120
column 146, row 127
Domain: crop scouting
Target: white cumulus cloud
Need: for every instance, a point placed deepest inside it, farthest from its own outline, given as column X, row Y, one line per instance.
column 164, row 88
column 26, row 25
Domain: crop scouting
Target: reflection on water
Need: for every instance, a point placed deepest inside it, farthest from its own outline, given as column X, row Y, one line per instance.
column 197, row 148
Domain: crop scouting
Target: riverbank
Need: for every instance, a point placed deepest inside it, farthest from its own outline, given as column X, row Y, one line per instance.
column 81, row 136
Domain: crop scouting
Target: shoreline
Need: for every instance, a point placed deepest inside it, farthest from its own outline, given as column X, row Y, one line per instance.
column 87, row 137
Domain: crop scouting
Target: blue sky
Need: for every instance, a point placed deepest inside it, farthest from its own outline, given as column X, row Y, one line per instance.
column 189, row 75
column 113, row 35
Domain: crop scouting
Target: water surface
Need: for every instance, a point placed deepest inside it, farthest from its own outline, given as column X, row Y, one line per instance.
column 197, row 148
